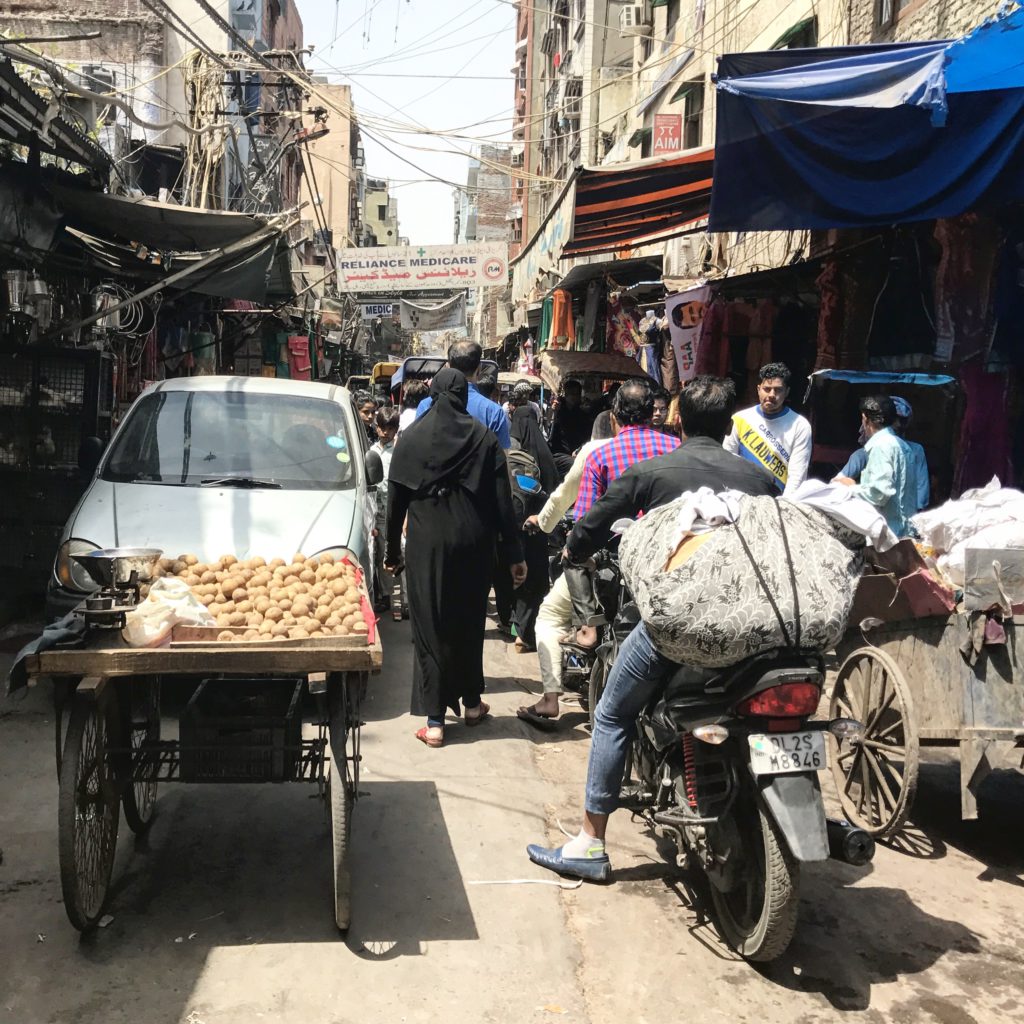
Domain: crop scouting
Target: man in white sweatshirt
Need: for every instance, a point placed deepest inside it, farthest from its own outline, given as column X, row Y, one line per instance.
column 771, row 434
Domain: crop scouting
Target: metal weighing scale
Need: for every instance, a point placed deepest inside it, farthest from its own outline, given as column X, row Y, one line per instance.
column 120, row 573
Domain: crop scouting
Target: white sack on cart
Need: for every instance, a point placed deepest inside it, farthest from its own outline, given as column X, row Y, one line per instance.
column 955, row 522
column 170, row 603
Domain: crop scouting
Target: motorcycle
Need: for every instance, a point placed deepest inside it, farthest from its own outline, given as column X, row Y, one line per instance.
column 585, row 669
column 727, row 767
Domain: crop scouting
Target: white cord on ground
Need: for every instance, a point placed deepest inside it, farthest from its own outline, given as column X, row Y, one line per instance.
column 531, row 881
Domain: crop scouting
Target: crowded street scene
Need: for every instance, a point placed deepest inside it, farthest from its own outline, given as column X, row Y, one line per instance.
column 513, row 511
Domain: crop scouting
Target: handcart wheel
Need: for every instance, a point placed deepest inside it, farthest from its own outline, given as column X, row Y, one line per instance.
column 63, row 691
column 875, row 775
column 340, row 789
column 87, row 809
column 141, row 731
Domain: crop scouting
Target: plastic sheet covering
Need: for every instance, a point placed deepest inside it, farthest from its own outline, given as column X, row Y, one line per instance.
column 872, row 135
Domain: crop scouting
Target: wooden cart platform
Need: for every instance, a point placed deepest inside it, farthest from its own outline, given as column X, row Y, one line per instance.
column 107, row 656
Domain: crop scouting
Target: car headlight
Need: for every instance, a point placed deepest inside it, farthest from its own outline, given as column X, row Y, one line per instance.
column 69, row 573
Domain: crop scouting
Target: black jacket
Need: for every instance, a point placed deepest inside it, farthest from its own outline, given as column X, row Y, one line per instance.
column 697, row 462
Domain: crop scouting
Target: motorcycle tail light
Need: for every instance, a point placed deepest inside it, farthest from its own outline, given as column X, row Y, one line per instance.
column 788, row 700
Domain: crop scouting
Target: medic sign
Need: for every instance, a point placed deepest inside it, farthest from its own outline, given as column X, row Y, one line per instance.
column 372, row 310
column 668, row 134
column 390, row 269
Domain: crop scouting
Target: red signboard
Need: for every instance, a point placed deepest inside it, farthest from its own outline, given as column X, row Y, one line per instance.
column 668, row 134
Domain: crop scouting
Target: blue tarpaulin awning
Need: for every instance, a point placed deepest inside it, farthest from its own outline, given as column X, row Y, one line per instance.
column 873, row 135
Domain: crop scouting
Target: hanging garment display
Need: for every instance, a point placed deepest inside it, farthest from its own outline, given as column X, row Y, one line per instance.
column 963, row 286
column 585, row 341
column 669, row 365
column 621, row 332
column 712, row 347
column 563, row 330
column 544, row 332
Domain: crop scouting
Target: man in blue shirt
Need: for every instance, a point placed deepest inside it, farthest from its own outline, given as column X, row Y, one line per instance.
column 465, row 356
column 888, row 480
column 858, row 460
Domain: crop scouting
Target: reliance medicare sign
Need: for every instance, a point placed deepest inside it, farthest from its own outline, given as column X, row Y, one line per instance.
column 406, row 268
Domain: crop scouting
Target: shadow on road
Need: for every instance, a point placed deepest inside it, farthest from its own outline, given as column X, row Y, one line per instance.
column 851, row 939
column 992, row 839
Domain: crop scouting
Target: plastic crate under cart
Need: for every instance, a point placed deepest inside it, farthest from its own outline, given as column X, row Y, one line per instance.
column 242, row 731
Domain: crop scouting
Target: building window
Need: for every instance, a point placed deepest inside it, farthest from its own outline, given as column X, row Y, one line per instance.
column 693, row 115
column 671, row 15
column 382, row 212
column 645, row 49
column 888, row 11
column 803, row 35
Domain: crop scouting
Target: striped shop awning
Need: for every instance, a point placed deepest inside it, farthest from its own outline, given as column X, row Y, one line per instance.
column 623, row 207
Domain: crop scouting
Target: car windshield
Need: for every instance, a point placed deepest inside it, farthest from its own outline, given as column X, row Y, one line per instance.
column 245, row 438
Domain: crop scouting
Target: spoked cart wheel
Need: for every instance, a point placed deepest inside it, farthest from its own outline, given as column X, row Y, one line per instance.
column 139, row 764
column 875, row 775
column 88, row 808
column 343, row 704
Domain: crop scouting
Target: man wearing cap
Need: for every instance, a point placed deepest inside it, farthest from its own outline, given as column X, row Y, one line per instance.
column 888, row 480
column 919, row 460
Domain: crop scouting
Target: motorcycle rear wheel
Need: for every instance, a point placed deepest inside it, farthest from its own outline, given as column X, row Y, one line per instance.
column 758, row 917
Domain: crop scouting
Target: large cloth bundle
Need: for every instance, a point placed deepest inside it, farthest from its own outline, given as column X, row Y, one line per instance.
column 782, row 575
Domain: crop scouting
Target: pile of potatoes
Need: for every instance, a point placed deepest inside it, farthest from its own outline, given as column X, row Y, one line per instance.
column 276, row 600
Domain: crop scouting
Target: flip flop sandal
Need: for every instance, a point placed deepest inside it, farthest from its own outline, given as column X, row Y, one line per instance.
column 545, row 722
column 485, row 710
column 430, row 741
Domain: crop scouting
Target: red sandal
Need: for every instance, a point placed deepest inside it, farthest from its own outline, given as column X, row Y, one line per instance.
column 423, row 735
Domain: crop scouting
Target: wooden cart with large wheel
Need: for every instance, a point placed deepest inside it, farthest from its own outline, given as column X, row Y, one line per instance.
column 110, row 754
column 911, row 685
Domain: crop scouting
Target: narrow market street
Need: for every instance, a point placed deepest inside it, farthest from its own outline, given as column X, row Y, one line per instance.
column 223, row 915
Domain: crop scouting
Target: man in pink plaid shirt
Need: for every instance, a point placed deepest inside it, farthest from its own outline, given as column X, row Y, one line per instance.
column 572, row 596
column 635, row 441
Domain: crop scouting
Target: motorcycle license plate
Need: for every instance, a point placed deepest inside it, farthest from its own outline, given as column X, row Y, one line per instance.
column 786, row 753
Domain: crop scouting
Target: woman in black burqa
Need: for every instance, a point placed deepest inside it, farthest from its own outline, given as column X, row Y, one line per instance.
column 448, row 475
column 528, row 437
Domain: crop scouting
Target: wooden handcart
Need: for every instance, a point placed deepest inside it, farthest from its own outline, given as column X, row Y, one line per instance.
column 917, row 681
column 110, row 753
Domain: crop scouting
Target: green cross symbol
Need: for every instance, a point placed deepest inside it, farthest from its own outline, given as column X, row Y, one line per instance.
column 421, row 252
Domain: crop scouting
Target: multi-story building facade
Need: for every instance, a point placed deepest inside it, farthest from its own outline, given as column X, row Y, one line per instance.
column 897, row 21
column 379, row 214
column 177, row 63
column 483, row 214
column 334, row 177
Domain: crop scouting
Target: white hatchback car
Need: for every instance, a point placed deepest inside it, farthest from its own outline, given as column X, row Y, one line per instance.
column 227, row 465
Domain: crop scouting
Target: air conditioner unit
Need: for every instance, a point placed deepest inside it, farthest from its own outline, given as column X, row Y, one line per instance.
column 635, row 20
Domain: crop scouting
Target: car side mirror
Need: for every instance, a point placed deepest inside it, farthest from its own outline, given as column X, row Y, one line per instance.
column 90, row 451
column 374, row 468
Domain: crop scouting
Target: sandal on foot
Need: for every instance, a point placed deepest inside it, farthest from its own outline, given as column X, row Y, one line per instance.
column 435, row 740
column 483, row 711
column 535, row 717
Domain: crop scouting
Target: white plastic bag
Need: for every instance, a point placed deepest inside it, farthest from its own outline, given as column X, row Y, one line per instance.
column 170, row 603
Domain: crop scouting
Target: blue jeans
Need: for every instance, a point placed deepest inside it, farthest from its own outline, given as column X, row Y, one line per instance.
column 638, row 674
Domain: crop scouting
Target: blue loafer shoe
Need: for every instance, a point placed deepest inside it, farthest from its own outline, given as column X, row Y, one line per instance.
column 593, row 869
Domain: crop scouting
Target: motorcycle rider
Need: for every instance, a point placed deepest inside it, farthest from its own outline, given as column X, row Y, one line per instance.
column 706, row 407
column 634, row 441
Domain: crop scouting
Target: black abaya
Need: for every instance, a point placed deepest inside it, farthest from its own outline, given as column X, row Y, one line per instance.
column 453, row 485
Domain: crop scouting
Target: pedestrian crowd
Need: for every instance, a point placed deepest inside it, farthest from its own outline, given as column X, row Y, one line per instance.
column 474, row 491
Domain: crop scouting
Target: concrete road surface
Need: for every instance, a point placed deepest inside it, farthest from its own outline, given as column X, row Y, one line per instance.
column 223, row 915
